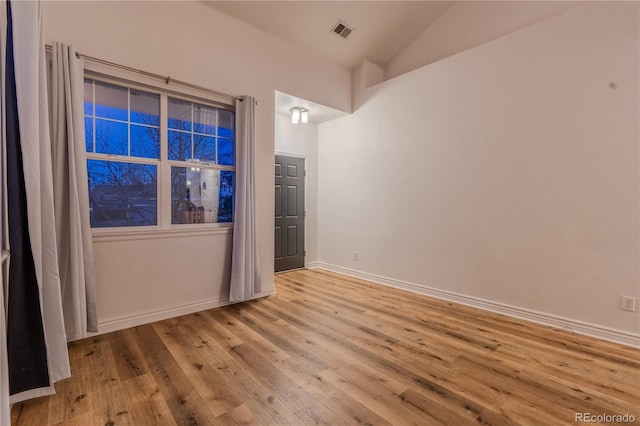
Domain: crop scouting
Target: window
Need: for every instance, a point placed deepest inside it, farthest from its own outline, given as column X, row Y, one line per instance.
column 136, row 140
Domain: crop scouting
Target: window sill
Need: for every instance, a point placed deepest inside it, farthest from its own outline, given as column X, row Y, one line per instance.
column 107, row 235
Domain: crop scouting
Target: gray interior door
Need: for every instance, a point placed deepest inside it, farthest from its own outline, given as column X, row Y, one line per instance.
column 289, row 223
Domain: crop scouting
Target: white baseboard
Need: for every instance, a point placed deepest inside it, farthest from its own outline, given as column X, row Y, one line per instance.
column 604, row 333
column 128, row 321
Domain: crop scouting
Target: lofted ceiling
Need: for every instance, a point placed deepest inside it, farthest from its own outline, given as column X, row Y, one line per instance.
column 381, row 29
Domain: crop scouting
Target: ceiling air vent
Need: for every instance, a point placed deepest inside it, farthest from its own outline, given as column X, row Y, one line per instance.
column 342, row 29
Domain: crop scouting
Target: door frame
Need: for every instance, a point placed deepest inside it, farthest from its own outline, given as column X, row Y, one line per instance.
column 306, row 195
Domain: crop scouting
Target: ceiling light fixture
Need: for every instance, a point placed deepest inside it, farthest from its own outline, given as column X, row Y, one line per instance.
column 299, row 115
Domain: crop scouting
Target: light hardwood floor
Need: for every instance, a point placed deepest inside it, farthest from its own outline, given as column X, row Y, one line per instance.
column 334, row 350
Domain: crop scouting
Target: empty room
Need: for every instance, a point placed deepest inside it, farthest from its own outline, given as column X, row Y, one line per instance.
column 320, row 212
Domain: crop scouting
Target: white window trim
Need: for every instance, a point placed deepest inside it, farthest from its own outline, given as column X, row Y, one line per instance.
column 163, row 228
column 139, row 234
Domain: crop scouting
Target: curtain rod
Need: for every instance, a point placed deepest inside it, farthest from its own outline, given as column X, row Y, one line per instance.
column 166, row 79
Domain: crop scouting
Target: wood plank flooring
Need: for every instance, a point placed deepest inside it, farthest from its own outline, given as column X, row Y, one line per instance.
column 334, row 350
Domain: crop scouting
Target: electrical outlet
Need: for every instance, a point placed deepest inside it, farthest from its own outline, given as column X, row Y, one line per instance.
column 355, row 255
column 628, row 303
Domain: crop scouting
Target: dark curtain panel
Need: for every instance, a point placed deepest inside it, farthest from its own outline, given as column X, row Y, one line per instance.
column 27, row 353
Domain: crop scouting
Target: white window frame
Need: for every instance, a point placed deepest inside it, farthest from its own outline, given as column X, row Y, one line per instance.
column 138, row 81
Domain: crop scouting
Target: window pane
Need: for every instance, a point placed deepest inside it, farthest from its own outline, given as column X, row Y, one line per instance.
column 200, row 195
column 225, row 206
column 145, row 108
column 179, row 114
column 225, row 151
column 122, row 194
column 179, row 146
column 88, row 97
column 204, row 119
column 111, row 101
column 226, row 123
column 145, row 141
column 111, row 137
column 88, row 133
column 204, row 148
column 126, row 122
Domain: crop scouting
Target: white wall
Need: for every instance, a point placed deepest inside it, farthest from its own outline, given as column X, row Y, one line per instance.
column 507, row 173
column 142, row 279
column 366, row 75
column 301, row 140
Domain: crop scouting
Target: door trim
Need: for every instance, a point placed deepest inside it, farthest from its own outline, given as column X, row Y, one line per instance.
column 306, row 195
